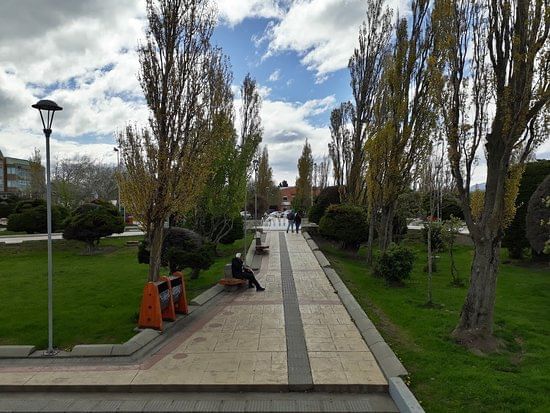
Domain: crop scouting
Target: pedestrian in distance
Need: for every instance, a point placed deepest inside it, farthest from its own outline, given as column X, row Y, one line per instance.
column 290, row 218
column 298, row 221
column 243, row 272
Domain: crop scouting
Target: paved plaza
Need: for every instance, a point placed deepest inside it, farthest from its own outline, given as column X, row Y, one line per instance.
column 297, row 336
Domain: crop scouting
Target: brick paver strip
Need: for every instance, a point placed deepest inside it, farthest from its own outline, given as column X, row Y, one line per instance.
column 299, row 369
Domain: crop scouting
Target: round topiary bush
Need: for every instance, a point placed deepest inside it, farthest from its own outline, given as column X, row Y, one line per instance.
column 181, row 248
column 395, row 264
column 328, row 196
column 90, row 222
column 346, row 224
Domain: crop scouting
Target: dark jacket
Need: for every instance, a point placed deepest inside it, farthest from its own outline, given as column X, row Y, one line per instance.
column 236, row 267
column 298, row 218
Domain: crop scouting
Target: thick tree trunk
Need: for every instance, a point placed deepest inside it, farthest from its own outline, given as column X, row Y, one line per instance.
column 156, row 238
column 476, row 319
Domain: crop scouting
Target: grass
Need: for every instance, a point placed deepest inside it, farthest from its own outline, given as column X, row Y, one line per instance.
column 444, row 376
column 96, row 297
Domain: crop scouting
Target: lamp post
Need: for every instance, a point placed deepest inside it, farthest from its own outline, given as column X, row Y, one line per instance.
column 118, row 186
column 256, row 163
column 47, row 109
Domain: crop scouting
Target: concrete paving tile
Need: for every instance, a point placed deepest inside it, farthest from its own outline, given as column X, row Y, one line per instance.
column 218, row 377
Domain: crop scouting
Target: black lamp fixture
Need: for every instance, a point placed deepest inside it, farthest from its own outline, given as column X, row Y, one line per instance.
column 47, row 109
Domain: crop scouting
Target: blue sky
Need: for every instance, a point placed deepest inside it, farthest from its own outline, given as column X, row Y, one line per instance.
column 81, row 54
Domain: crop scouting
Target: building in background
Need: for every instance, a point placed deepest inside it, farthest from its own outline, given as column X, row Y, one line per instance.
column 15, row 176
column 287, row 195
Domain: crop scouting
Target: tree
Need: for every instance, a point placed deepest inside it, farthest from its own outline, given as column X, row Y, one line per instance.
column 489, row 53
column 323, row 169
column 80, row 179
column 366, row 66
column 403, row 121
column 91, row 222
column 340, row 147
column 167, row 164
column 515, row 239
column 302, row 199
column 218, row 207
column 267, row 191
column 450, row 230
column 37, row 184
column 538, row 218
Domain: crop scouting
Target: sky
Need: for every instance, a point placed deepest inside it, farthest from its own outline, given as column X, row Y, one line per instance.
column 81, row 54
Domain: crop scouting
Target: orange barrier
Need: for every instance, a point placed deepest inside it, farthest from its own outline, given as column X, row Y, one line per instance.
column 177, row 288
column 157, row 304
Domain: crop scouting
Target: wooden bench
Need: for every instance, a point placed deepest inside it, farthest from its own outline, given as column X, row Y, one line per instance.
column 260, row 249
column 228, row 279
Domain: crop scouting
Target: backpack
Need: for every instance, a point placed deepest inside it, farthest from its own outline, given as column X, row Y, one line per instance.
column 290, row 216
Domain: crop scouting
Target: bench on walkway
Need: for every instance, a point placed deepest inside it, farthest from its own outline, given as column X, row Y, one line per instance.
column 228, row 279
column 260, row 249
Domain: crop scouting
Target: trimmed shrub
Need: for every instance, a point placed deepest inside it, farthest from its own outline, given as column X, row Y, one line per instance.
column 90, row 222
column 537, row 221
column 328, row 196
column 181, row 248
column 346, row 224
column 394, row 265
column 515, row 238
column 31, row 217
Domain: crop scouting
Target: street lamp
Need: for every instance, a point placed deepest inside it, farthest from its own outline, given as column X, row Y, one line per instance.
column 256, row 163
column 118, row 171
column 47, row 109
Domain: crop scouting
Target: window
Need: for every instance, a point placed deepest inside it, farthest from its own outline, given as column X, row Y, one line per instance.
column 285, row 198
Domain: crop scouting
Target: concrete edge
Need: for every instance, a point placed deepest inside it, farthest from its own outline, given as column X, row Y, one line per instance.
column 390, row 365
column 323, row 261
column 312, row 244
column 403, row 397
column 16, row 351
column 207, row 295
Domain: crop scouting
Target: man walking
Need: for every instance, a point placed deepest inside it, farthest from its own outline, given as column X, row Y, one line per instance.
column 298, row 221
column 290, row 218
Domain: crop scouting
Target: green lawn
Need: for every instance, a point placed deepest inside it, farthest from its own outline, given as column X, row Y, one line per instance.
column 96, row 297
column 446, row 377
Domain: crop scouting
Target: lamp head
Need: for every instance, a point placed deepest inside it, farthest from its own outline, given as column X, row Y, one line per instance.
column 49, row 107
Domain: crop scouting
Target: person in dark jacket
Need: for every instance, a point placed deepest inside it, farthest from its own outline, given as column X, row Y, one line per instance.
column 239, row 270
column 298, row 221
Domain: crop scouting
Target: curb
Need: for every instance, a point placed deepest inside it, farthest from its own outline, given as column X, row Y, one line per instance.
column 403, row 397
column 16, row 351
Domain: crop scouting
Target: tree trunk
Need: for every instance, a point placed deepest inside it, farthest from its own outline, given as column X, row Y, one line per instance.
column 430, row 298
column 370, row 240
column 386, row 233
column 156, row 238
column 476, row 319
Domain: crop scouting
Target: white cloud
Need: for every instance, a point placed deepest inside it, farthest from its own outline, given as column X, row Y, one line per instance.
column 286, row 127
column 273, row 77
column 233, row 12
column 323, row 32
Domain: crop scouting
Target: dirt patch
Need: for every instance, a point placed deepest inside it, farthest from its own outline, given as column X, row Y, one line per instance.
column 478, row 343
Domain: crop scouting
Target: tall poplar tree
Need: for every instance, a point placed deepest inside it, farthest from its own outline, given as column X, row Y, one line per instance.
column 167, row 164
column 302, row 199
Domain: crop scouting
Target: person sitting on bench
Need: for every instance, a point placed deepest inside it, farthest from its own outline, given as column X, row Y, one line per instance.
column 241, row 271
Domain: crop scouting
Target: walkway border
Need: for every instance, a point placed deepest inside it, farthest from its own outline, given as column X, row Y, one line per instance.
column 390, row 365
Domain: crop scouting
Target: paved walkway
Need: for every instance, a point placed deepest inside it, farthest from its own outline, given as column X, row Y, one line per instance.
column 297, row 335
